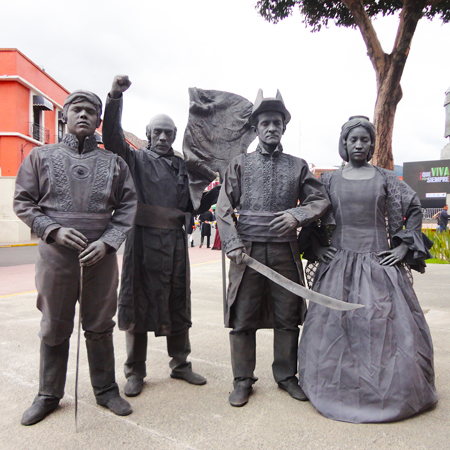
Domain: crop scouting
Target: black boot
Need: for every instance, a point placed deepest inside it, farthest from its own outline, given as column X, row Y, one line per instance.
column 100, row 352
column 179, row 348
column 52, row 379
column 284, row 367
column 135, row 365
column 243, row 362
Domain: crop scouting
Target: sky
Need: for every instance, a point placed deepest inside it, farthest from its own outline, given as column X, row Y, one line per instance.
column 165, row 47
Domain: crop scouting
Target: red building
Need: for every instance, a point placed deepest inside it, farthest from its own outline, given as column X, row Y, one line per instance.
column 30, row 109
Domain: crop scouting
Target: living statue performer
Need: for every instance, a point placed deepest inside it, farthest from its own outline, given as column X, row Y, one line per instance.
column 155, row 291
column 265, row 187
column 374, row 364
column 80, row 201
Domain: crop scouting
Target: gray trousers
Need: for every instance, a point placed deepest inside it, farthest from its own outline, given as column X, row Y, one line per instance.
column 57, row 282
column 178, row 348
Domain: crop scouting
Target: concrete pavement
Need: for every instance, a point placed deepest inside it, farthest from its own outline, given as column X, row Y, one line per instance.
column 171, row 414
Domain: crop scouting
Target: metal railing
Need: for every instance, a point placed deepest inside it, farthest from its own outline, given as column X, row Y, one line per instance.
column 39, row 133
column 428, row 213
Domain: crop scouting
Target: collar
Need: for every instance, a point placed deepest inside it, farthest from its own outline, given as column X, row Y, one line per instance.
column 72, row 141
column 157, row 155
column 277, row 152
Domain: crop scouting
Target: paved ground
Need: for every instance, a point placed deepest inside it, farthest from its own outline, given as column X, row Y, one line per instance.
column 170, row 414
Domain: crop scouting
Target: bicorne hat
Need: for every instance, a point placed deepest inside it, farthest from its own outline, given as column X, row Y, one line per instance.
column 269, row 104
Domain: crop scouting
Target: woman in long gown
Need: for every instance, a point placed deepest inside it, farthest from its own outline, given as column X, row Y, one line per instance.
column 374, row 364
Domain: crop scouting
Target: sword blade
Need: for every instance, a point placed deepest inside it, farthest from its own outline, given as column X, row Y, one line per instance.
column 80, row 299
column 296, row 289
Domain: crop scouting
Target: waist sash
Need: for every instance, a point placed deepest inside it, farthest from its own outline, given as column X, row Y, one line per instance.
column 92, row 225
column 254, row 226
column 153, row 216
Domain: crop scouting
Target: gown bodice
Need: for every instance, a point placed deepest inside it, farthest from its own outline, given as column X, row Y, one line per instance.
column 359, row 209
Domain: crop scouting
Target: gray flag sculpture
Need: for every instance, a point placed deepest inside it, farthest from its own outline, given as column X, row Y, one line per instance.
column 217, row 131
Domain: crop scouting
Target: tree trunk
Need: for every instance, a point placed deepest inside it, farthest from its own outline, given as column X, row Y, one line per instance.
column 389, row 95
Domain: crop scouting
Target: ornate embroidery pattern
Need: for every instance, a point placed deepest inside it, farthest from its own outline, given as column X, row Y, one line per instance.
column 102, row 174
column 299, row 214
column 40, row 223
column 90, row 143
column 61, row 183
column 70, row 140
column 231, row 241
column 269, row 181
column 114, row 235
column 283, row 190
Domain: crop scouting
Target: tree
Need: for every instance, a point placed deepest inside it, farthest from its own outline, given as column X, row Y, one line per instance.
column 388, row 67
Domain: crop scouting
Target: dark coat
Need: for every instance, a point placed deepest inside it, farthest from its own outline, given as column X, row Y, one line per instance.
column 155, row 274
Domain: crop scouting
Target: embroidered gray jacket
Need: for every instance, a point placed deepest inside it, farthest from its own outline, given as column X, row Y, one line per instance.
column 257, row 185
column 92, row 192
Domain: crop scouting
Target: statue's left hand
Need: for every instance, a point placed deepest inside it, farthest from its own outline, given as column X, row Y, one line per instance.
column 94, row 253
column 120, row 84
column 393, row 256
column 283, row 223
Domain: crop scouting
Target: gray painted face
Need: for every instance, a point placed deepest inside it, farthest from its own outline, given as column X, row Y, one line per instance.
column 161, row 132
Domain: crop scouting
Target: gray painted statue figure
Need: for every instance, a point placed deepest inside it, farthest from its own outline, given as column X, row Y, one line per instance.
column 374, row 364
column 155, row 291
column 265, row 187
column 80, row 201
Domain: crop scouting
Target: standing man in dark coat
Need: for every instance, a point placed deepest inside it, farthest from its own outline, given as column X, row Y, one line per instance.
column 80, row 201
column 266, row 187
column 206, row 219
column 155, row 291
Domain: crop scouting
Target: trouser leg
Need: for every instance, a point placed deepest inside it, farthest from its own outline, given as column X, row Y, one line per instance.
column 285, row 345
column 52, row 378
column 179, row 348
column 243, row 362
column 135, row 364
column 208, row 241
column 284, row 367
column 53, row 369
column 243, row 357
column 100, row 351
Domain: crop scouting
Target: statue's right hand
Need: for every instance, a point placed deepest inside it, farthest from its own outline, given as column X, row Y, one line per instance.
column 237, row 255
column 119, row 85
column 325, row 254
column 69, row 237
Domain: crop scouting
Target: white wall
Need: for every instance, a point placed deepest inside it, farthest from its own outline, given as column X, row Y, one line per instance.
column 12, row 229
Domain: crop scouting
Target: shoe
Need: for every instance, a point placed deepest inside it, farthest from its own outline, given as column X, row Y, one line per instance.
column 134, row 386
column 189, row 376
column 292, row 387
column 239, row 396
column 41, row 406
column 200, row 246
column 118, row 406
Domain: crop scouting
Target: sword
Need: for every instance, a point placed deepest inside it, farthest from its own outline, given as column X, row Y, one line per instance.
column 296, row 289
column 80, row 298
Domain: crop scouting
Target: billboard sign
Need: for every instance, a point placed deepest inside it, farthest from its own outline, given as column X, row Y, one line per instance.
column 430, row 179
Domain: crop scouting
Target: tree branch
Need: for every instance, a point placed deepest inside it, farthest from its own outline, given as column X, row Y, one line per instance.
column 374, row 50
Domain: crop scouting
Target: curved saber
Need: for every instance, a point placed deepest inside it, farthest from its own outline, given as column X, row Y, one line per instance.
column 296, row 289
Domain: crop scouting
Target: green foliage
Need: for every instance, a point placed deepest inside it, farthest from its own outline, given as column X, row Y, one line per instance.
column 441, row 247
column 317, row 13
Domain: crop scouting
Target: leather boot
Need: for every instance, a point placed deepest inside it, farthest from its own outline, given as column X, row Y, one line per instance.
column 179, row 348
column 100, row 352
column 52, row 379
column 135, row 365
column 243, row 362
column 284, row 367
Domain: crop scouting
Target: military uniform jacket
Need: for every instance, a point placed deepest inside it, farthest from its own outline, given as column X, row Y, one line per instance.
column 257, row 185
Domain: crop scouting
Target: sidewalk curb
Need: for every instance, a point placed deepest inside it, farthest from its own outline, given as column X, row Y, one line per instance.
column 31, row 244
